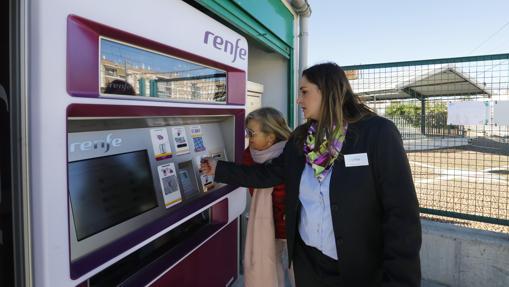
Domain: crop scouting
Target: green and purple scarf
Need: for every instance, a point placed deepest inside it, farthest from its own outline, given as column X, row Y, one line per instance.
column 322, row 160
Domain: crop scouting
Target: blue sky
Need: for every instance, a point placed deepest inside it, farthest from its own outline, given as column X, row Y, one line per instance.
column 378, row 31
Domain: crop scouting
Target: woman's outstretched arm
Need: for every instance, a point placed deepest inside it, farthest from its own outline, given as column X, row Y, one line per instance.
column 257, row 175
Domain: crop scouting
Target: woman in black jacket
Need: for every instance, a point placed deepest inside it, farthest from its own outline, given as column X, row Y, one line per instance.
column 352, row 215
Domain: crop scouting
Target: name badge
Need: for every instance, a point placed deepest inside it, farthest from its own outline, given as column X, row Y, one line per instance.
column 356, row 159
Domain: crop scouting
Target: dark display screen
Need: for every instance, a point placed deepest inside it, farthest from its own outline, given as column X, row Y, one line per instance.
column 108, row 190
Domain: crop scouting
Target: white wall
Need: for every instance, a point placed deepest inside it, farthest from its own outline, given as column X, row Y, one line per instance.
column 271, row 70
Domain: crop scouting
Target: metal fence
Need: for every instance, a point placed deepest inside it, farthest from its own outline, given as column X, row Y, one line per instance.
column 461, row 171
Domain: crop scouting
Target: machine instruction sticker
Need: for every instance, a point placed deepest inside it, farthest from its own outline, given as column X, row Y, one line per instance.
column 197, row 138
column 180, row 140
column 160, row 143
column 206, row 181
column 169, row 184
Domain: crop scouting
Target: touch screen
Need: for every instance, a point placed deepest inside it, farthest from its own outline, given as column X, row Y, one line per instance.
column 108, row 190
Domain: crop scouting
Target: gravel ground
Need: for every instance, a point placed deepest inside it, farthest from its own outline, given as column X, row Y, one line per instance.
column 463, row 181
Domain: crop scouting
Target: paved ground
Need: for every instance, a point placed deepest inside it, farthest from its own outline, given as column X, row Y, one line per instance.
column 425, row 283
column 424, row 143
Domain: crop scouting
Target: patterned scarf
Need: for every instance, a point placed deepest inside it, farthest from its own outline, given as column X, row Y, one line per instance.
column 322, row 160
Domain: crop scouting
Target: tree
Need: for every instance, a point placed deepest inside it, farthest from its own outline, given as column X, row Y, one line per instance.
column 436, row 114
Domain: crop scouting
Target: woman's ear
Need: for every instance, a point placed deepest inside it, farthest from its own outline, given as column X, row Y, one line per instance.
column 272, row 138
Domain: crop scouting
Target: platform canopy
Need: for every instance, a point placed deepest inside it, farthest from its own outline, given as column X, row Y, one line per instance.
column 444, row 82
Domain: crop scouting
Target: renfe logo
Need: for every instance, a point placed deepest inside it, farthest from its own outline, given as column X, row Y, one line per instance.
column 104, row 145
column 221, row 44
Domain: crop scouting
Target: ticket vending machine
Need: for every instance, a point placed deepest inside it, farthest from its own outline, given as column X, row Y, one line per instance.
column 118, row 196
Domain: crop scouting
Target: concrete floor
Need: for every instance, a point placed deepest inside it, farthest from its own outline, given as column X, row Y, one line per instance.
column 424, row 283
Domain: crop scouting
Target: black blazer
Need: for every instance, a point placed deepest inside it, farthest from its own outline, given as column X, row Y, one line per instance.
column 374, row 208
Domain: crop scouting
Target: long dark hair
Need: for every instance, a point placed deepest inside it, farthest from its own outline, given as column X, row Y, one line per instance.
column 339, row 103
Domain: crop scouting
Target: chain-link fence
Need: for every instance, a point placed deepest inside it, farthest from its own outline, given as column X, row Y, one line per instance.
column 451, row 115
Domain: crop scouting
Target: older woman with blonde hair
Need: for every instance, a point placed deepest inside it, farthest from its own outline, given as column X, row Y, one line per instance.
column 266, row 256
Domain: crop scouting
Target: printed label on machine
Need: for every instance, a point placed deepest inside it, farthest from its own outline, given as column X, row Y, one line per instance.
column 197, row 138
column 169, row 184
column 160, row 143
column 180, row 140
column 207, row 181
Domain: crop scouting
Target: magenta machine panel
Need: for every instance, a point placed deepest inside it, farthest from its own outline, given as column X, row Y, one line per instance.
column 142, row 115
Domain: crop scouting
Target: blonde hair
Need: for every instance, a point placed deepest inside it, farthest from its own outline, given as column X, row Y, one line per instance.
column 271, row 121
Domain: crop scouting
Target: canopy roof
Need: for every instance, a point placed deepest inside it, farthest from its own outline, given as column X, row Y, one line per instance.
column 445, row 82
